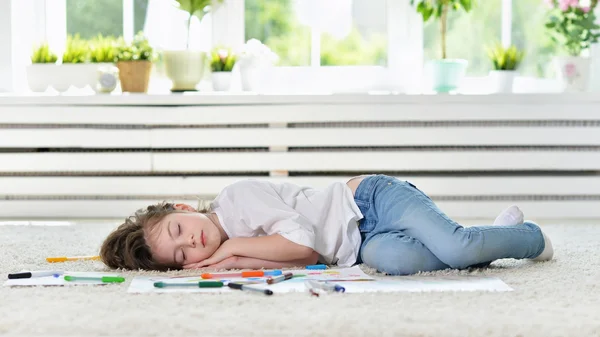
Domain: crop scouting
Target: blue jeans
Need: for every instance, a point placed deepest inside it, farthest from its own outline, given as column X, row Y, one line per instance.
column 404, row 232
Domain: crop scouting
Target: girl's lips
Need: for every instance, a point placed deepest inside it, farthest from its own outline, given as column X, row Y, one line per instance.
column 202, row 238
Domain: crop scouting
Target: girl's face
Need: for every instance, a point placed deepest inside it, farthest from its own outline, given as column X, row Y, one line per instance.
column 183, row 238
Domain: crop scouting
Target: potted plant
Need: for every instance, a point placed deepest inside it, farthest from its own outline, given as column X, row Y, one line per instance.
column 253, row 61
column 446, row 73
column 505, row 62
column 572, row 25
column 74, row 69
column 42, row 69
column 134, row 61
column 221, row 64
column 185, row 67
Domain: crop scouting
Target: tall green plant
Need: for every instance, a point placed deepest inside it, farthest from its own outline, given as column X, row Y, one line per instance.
column 76, row 50
column 43, row 54
column 197, row 8
column 438, row 9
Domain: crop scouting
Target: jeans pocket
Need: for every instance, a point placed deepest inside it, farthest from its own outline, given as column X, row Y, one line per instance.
column 417, row 189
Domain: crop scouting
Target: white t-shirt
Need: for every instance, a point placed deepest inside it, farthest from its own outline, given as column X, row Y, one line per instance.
column 324, row 220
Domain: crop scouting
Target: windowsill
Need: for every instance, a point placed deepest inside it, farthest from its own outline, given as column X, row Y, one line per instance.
column 249, row 98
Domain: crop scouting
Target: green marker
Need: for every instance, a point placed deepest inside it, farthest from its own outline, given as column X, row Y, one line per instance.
column 201, row 284
column 105, row 279
column 299, row 275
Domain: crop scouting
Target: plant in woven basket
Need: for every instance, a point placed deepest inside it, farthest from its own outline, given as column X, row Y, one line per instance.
column 43, row 54
column 134, row 61
column 76, row 51
column 138, row 50
column 507, row 59
column 222, row 60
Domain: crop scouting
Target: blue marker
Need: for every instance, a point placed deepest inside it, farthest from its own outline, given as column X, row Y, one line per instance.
column 333, row 287
column 317, row 266
column 273, row 273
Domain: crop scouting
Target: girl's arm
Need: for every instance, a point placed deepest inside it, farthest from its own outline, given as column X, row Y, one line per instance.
column 241, row 262
column 270, row 247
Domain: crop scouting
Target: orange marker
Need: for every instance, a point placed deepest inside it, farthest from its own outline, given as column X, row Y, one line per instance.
column 73, row 258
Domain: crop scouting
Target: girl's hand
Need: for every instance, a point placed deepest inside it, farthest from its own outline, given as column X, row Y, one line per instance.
column 228, row 263
column 221, row 254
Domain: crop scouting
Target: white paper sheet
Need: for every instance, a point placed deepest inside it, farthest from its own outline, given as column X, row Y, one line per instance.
column 353, row 279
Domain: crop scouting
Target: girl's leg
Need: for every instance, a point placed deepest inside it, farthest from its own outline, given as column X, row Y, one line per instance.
column 402, row 207
column 394, row 253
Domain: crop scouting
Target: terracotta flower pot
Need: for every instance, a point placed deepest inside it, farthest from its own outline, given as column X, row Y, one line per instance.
column 134, row 75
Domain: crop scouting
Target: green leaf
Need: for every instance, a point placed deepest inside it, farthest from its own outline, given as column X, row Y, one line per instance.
column 467, row 5
column 186, row 5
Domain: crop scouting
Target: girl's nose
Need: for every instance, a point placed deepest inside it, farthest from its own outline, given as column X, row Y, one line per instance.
column 192, row 241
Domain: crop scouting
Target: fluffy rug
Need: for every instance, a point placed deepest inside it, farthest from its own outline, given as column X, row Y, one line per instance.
column 557, row 298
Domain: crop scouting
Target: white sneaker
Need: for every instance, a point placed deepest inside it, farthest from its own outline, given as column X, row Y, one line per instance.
column 548, row 251
column 510, row 217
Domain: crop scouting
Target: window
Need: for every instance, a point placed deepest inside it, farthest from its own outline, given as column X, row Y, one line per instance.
column 529, row 33
column 383, row 41
column 467, row 35
column 88, row 18
column 320, row 33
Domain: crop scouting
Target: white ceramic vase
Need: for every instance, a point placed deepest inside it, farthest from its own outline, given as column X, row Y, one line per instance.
column 221, row 80
column 184, row 68
column 573, row 72
column 252, row 72
column 502, row 80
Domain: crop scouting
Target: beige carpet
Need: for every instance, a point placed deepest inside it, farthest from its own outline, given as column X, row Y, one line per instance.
column 558, row 298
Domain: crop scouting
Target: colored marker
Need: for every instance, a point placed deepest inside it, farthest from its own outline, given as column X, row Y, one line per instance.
column 313, row 288
column 201, row 284
column 73, row 258
column 328, row 287
column 105, row 279
column 317, row 266
column 248, row 288
column 30, row 274
column 277, row 279
column 333, row 287
column 250, row 273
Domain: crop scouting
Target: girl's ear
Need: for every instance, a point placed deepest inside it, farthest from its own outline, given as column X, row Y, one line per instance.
column 184, row 207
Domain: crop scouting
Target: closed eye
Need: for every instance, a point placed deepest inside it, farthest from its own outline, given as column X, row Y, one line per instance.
column 179, row 229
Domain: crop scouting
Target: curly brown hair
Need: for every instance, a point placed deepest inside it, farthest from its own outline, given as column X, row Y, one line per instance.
column 127, row 247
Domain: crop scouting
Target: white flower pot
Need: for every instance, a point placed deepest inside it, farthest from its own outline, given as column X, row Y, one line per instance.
column 184, row 68
column 221, row 80
column 502, row 80
column 79, row 75
column 252, row 72
column 573, row 72
column 40, row 76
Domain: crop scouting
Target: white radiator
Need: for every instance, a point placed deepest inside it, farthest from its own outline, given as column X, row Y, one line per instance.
column 105, row 156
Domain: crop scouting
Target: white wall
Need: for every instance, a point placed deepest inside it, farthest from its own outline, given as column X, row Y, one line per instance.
column 6, row 76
